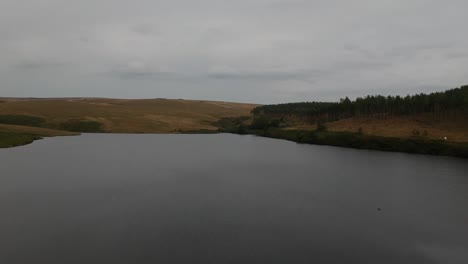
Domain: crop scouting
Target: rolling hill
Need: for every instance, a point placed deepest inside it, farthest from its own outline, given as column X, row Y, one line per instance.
column 119, row 115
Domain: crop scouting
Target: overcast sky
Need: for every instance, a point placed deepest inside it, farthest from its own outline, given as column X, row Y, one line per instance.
column 263, row 51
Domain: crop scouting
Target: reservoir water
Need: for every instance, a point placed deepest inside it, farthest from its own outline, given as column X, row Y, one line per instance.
column 224, row 198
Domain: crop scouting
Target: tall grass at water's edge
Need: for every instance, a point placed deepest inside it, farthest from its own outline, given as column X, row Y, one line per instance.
column 72, row 125
column 12, row 139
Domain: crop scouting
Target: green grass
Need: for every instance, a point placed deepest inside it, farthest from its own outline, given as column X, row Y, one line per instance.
column 14, row 135
column 79, row 126
column 12, row 139
column 200, row 131
column 22, row 120
column 72, row 125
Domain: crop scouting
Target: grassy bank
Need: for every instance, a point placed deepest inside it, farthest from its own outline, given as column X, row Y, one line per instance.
column 360, row 141
column 14, row 135
column 11, row 139
column 419, row 145
column 73, row 125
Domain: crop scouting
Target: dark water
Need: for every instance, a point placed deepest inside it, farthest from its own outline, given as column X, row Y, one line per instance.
column 227, row 199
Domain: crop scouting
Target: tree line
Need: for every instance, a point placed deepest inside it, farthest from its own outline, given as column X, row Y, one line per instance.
column 450, row 102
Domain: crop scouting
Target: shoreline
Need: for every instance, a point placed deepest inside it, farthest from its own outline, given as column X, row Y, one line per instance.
column 414, row 145
column 338, row 139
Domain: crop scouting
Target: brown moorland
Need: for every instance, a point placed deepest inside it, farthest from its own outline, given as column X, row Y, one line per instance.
column 422, row 125
column 129, row 116
column 425, row 126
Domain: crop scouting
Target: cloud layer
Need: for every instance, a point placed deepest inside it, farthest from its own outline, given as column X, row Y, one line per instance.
column 262, row 51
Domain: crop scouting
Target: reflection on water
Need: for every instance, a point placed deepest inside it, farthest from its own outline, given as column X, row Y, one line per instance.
column 227, row 199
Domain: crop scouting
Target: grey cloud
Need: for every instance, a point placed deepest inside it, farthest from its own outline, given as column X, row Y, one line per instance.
column 306, row 76
column 359, row 65
column 270, row 50
column 456, row 55
column 140, row 74
column 412, row 50
column 359, row 50
column 35, row 65
column 145, row 29
column 138, row 70
column 84, row 39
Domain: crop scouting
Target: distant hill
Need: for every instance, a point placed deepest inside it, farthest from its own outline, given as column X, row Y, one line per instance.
column 118, row 115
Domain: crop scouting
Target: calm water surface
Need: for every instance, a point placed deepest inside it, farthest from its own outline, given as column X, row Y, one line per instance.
column 227, row 199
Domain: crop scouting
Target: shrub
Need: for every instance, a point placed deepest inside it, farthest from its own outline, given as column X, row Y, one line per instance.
column 22, row 120
column 321, row 126
column 260, row 123
column 275, row 123
column 81, row 126
column 12, row 139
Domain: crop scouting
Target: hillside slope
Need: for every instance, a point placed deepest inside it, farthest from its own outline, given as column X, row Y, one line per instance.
column 120, row 115
column 420, row 125
column 423, row 126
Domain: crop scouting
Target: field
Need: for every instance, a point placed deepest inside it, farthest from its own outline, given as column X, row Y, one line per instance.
column 123, row 116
